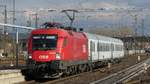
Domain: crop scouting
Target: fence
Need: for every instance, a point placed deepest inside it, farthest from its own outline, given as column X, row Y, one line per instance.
column 13, row 47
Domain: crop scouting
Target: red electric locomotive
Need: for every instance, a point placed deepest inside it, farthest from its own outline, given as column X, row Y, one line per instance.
column 54, row 51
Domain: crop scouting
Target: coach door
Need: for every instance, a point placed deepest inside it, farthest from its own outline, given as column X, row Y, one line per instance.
column 112, row 50
column 93, row 50
column 90, row 50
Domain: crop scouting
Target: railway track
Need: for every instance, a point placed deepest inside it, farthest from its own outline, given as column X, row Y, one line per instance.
column 28, row 82
column 60, row 80
column 78, row 78
column 124, row 75
column 53, row 81
column 66, row 78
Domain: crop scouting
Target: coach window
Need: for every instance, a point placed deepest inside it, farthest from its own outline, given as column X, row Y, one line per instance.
column 101, row 46
column 93, row 46
column 116, row 48
column 109, row 46
column 98, row 46
column 104, row 47
column 112, row 47
column 121, row 47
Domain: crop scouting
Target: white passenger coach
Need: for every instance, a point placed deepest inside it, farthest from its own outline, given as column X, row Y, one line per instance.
column 104, row 48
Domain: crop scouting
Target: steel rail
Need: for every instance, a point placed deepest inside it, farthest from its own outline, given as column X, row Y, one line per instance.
column 124, row 75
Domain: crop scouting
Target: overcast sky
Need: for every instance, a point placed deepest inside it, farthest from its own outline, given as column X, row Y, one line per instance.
column 24, row 4
column 95, row 19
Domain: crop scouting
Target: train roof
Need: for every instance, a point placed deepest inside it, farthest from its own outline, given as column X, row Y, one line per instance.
column 104, row 38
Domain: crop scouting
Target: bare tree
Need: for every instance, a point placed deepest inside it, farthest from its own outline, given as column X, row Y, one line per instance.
column 113, row 32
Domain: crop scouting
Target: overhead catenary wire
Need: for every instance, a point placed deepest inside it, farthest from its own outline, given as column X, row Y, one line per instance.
column 17, row 26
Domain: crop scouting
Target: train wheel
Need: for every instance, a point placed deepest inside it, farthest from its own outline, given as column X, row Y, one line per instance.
column 82, row 68
column 118, row 60
column 76, row 69
column 67, row 71
column 89, row 67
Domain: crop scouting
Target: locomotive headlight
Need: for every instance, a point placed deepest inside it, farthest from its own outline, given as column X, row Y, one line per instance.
column 57, row 55
column 30, row 57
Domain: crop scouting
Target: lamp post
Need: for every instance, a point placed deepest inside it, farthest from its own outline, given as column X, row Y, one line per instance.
column 36, row 19
column 14, row 11
column 17, row 54
column 135, row 18
column 17, row 33
column 51, row 10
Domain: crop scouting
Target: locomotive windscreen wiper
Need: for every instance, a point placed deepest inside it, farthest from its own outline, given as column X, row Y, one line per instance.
column 44, row 42
column 43, row 48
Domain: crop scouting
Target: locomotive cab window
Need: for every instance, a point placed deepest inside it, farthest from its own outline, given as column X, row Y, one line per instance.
column 44, row 42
